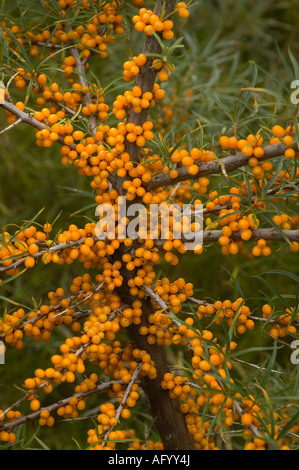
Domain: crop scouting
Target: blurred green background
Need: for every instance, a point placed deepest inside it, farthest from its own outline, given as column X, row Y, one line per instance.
column 227, row 42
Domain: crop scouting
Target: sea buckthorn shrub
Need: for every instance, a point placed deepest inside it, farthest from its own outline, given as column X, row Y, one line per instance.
column 121, row 333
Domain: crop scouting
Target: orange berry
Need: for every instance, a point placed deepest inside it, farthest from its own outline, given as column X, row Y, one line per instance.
column 163, row 76
column 289, row 153
column 224, row 142
column 29, row 262
column 34, row 405
column 78, row 135
column 42, row 79
column 279, row 131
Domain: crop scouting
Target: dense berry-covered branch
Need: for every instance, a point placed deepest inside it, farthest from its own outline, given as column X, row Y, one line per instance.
column 27, row 118
column 230, row 163
column 53, row 407
column 122, row 318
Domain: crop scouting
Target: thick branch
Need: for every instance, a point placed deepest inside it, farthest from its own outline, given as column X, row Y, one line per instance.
column 147, row 76
column 51, row 408
column 165, row 411
column 274, row 191
column 53, row 249
column 231, row 163
column 268, row 234
column 29, row 119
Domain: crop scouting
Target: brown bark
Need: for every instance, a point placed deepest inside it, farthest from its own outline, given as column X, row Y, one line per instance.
column 229, row 164
column 10, row 425
column 268, row 234
column 166, row 413
column 147, row 76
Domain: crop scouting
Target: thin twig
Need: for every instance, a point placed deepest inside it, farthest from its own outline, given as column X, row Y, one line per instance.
column 80, row 302
column 11, row 126
column 256, row 366
column 161, row 303
column 123, row 402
